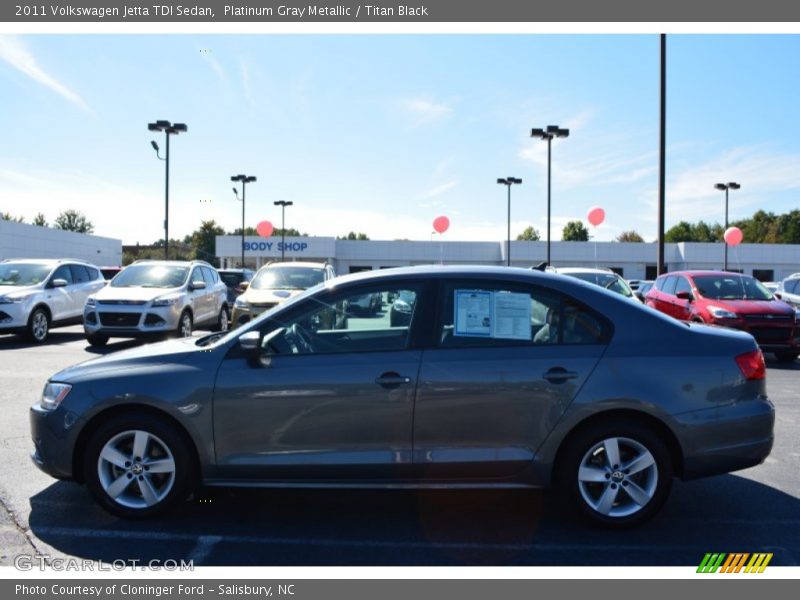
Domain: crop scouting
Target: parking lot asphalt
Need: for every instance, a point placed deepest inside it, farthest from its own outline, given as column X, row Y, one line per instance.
column 753, row 510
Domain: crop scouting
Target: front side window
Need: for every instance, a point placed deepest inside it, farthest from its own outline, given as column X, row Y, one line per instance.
column 155, row 276
column 197, row 276
column 63, row 272
column 487, row 315
column 339, row 323
column 683, row 285
column 22, row 274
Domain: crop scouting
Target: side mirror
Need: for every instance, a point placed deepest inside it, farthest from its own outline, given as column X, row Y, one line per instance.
column 198, row 285
column 244, row 285
column 683, row 295
column 778, row 295
column 249, row 342
column 58, row 283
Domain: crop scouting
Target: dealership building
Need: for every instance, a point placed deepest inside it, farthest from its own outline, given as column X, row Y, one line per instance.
column 20, row 240
column 768, row 262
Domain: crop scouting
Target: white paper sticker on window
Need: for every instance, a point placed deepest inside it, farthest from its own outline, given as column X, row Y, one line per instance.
column 504, row 315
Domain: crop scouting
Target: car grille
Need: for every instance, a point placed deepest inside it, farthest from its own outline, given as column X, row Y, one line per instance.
column 770, row 334
column 123, row 302
column 263, row 305
column 118, row 319
column 769, row 317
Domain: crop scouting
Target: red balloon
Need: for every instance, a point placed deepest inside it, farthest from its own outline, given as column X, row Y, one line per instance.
column 596, row 215
column 264, row 229
column 733, row 236
column 441, row 224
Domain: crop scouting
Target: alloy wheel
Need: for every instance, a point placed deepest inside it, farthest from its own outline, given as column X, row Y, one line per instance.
column 39, row 326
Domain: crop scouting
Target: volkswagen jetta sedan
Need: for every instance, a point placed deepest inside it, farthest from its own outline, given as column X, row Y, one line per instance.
column 501, row 377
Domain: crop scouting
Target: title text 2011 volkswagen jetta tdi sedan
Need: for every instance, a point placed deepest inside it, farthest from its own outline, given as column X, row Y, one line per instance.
column 500, row 377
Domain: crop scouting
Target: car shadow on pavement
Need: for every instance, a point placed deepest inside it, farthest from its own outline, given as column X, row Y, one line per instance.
column 782, row 366
column 728, row 513
column 54, row 338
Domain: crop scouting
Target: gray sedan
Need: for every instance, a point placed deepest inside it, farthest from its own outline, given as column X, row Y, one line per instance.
column 501, row 377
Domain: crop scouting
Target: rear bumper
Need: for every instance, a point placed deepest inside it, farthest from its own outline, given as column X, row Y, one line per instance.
column 729, row 438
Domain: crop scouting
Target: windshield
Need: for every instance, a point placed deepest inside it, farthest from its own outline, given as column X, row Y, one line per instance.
column 731, row 287
column 156, row 276
column 23, row 273
column 283, row 278
column 610, row 281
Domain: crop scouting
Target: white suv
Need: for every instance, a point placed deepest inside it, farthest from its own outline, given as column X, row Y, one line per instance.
column 605, row 278
column 152, row 297
column 38, row 294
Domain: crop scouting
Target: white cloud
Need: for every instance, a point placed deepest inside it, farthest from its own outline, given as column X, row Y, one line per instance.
column 425, row 111
column 15, row 53
column 439, row 189
column 214, row 64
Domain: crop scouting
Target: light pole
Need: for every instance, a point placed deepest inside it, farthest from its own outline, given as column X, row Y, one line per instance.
column 168, row 129
column 283, row 204
column 508, row 182
column 245, row 179
column 548, row 134
column 731, row 185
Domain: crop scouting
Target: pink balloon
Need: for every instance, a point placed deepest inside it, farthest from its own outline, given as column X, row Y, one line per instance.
column 596, row 215
column 441, row 224
column 733, row 236
column 264, row 229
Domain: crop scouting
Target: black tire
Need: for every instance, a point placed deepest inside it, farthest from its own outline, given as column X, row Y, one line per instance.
column 38, row 325
column 786, row 357
column 131, row 502
column 632, row 437
column 223, row 315
column 182, row 331
column 97, row 340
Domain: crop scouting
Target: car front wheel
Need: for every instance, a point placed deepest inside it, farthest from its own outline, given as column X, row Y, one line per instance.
column 39, row 325
column 617, row 474
column 184, row 325
column 222, row 320
column 137, row 466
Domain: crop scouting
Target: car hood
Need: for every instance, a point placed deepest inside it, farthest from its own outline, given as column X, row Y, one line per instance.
column 133, row 293
column 10, row 290
column 755, row 307
column 276, row 295
column 171, row 351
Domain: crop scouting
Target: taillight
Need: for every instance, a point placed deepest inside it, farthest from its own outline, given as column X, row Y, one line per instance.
column 752, row 365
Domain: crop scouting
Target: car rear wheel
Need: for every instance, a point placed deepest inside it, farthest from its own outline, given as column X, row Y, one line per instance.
column 138, row 466
column 39, row 325
column 222, row 320
column 786, row 357
column 617, row 474
column 97, row 339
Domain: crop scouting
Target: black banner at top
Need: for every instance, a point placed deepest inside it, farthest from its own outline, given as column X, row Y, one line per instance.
column 412, row 11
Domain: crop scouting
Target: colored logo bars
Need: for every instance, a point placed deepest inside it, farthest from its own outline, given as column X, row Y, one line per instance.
column 734, row 562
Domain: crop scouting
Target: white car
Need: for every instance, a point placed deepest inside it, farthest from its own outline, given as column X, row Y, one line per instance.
column 39, row 294
column 605, row 278
column 153, row 298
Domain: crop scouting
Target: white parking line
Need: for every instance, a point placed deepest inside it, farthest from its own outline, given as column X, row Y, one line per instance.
column 205, row 545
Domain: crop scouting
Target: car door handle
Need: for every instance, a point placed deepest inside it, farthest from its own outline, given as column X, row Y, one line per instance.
column 559, row 375
column 392, row 379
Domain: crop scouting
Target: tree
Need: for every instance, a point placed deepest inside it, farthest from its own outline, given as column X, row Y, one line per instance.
column 529, row 234
column 40, row 220
column 72, row 220
column 682, row 232
column 354, row 236
column 630, row 236
column 575, row 231
column 204, row 241
column 6, row 216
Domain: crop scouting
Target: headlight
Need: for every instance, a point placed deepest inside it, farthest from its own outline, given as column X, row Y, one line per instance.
column 53, row 394
column 720, row 313
column 164, row 301
column 90, row 301
column 241, row 304
column 12, row 299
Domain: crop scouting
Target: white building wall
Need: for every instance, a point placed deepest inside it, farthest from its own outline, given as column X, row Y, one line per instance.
column 20, row 240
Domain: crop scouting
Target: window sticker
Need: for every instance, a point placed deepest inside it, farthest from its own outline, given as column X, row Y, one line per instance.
column 504, row 315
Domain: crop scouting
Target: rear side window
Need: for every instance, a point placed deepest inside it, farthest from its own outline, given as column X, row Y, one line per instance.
column 209, row 276
column 94, row 274
column 659, row 284
column 80, row 274
column 485, row 314
column 669, row 285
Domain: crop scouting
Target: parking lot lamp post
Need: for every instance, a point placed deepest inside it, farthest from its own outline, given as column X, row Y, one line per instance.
column 548, row 134
column 508, row 182
column 245, row 179
column 168, row 129
column 731, row 185
column 283, row 204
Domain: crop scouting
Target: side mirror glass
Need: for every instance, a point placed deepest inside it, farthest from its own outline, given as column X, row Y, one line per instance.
column 58, row 283
column 198, row 285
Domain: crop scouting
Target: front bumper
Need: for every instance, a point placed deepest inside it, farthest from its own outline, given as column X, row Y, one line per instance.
column 240, row 316
column 13, row 316
column 724, row 439
column 54, row 434
column 130, row 320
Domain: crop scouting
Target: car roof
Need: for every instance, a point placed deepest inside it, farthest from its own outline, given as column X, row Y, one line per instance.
column 567, row 270
column 46, row 261
column 701, row 272
column 311, row 265
column 450, row 271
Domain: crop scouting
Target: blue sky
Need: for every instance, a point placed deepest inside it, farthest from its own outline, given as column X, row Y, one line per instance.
column 382, row 133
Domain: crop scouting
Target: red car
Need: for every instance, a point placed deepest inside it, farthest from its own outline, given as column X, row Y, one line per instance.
column 731, row 300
